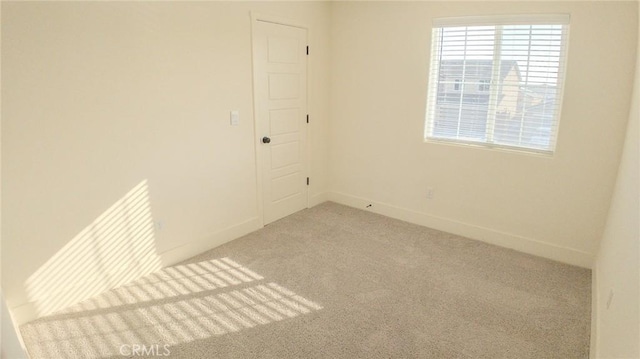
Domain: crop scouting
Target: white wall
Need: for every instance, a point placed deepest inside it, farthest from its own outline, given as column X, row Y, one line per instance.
column 550, row 206
column 115, row 116
column 616, row 289
column 10, row 346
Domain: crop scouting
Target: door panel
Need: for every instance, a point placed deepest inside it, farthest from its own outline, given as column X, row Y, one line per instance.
column 284, row 86
column 280, row 80
column 285, row 154
column 284, row 121
column 284, row 50
column 286, row 187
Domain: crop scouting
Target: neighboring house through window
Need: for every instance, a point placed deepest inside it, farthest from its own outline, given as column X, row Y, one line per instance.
column 497, row 81
column 484, row 85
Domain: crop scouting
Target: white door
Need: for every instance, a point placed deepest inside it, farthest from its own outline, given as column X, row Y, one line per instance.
column 280, row 81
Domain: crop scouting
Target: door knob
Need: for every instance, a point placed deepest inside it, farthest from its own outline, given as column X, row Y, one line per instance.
column 266, row 139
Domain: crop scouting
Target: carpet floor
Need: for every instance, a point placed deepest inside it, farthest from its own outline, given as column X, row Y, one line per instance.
column 334, row 282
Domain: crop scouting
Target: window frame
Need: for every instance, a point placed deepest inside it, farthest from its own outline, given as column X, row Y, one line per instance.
column 496, row 20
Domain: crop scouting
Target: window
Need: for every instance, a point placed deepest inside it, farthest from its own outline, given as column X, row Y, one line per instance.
column 497, row 81
column 484, row 85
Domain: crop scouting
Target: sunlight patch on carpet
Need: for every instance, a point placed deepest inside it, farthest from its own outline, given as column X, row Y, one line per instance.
column 175, row 305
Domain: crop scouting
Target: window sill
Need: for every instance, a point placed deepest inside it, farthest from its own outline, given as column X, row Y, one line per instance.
column 492, row 147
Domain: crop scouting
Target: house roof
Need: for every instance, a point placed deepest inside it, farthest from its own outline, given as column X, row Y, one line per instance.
column 479, row 69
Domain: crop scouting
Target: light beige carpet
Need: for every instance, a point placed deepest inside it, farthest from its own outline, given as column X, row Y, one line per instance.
column 335, row 282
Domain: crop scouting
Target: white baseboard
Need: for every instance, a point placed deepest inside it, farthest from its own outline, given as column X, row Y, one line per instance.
column 27, row 312
column 318, row 198
column 23, row 313
column 186, row 251
column 492, row 236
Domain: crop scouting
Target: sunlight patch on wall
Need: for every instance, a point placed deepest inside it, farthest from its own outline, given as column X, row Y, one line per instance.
column 176, row 305
column 116, row 248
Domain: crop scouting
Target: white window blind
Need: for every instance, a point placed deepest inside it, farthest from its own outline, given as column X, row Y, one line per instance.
column 497, row 81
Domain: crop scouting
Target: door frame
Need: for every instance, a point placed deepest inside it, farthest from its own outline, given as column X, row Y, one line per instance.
column 260, row 17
